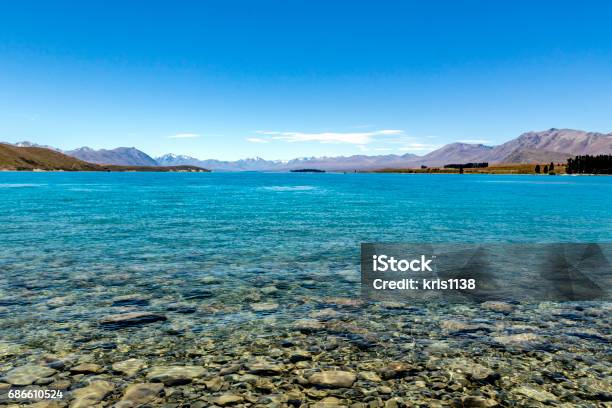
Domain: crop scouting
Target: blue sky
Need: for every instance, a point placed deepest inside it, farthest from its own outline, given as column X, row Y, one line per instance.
column 284, row 79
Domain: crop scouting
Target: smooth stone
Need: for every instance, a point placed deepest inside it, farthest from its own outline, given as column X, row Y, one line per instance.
column 86, row 368
column 228, row 399
column 60, row 301
column 182, row 307
column 231, row 369
column 475, row 401
column 130, row 300
column 92, row 394
column 129, row 367
column 299, row 355
column 394, row 403
column 474, row 371
column 308, row 325
column 395, row 305
column 60, row 385
column 27, row 375
column 269, row 290
column 210, row 280
column 175, row 375
column 344, row 302
column 44, row 381
column 457, row 326
column 136, row 395
column 325, row 314
column 395, row 370
column 535, row 394
column 329, row 402
column 264, row 368
column 264, row 307
column 214, row 384
column 438, row 347
column 518, row 339
column 384, row 389
column 130, row 319
column 333, row 379
column 369, row 376
column 496, row 306
column 264, row 384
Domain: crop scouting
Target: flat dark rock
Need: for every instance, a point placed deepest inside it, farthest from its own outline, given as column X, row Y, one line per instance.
column 130, row 319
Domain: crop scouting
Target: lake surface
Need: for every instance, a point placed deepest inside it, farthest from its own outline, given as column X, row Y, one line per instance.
column 227, row 258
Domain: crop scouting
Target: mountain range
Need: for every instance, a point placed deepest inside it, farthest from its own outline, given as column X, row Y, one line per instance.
column 27, row 156
column 126, row 156
column 550, row 145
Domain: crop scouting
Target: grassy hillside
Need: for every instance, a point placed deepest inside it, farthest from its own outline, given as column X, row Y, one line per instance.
column 31, row 158
column 39, row 158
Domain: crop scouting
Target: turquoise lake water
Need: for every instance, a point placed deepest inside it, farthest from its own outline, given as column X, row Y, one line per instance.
column 223, row 271
column 94, row 236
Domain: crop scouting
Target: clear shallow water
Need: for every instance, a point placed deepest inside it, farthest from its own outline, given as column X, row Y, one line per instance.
column 68, row 233
column 202, row 249
column 55, row 225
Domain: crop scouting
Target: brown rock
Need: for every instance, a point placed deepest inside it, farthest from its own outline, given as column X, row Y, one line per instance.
column 136, row 395
column 395, row 370
column 333, row 379
column 92, row 394
column 228, row 399
column 175, row 375
column 86, row 368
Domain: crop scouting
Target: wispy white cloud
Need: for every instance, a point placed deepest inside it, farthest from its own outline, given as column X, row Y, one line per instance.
column 419, row 147
column 475, row 141
column 358, row 138
column 257, row 140
column 184, row 136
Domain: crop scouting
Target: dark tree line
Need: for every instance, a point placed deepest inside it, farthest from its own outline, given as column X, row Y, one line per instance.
column 601, row 164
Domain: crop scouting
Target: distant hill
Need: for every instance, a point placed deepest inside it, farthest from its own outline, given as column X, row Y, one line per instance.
column 522, row 156
column 454, row 153
column 556, row 145
column 350, row 163
column 124, row 156
column 30, row 158
column 39, row 158
column 551, row 145
column 341, row 163
column 256, row 164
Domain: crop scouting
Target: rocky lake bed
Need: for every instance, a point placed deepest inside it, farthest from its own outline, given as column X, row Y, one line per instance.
column 273, row 344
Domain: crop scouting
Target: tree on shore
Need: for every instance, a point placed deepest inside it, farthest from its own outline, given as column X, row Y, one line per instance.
column 601, row 164
column 551, row 167
column 537, row 169
column 545, row 169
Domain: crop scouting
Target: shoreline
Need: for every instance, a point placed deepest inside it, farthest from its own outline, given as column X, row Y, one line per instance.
column 404, row 172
